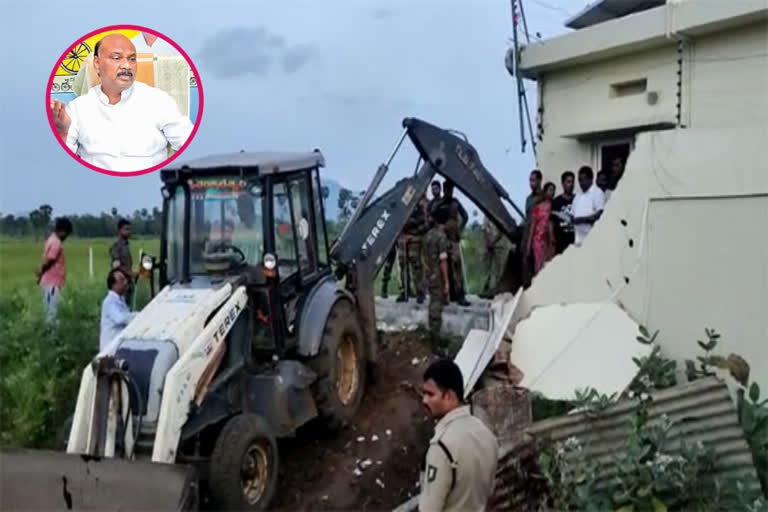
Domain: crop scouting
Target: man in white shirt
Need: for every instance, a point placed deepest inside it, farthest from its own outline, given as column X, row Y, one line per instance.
column 120, row 125
column 115, row 314
column 587, row 205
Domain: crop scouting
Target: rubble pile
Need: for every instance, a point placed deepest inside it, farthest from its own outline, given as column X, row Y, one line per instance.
column 373, row 464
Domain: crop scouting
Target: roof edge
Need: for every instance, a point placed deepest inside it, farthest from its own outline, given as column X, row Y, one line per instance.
column 638, row 32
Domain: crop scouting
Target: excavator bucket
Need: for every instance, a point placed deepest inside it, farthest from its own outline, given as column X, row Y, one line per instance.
column 457, row 160
column 47, row 480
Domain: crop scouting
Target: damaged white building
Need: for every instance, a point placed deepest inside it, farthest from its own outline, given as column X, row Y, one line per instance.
column 681, row 88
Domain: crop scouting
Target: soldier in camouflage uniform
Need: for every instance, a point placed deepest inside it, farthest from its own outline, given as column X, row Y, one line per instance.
column 436, row 247
column 409, row 251
column 497, row 247
column 387, row 271
column 120, row 257
column 437, row 199
column 457, row 219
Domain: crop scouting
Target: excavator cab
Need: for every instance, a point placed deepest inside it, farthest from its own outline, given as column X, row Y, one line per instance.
column 249, row 338
column 253, row 217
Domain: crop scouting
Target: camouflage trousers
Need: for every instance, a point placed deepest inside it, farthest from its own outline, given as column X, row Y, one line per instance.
column 436, row 304
column 409, row 259
column 456, row 271
column 495, row 260
column 387, row 271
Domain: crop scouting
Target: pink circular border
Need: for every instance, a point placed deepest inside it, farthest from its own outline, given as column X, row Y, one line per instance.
column 63, row 143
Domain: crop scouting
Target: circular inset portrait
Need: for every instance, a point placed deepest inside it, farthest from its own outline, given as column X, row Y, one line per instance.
column 124, row 100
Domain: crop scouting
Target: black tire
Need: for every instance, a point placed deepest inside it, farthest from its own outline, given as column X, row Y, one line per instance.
column 337, row 404
column 245, row 441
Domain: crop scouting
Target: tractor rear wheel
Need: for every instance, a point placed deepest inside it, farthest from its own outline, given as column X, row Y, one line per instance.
column 340, row 367
column 244, row 465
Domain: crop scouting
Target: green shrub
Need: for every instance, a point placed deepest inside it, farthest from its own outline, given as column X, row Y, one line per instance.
column 752, row 408
column 651, row 473
column 42, row 365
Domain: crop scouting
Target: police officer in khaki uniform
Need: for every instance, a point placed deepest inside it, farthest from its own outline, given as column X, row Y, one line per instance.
column 460, row 464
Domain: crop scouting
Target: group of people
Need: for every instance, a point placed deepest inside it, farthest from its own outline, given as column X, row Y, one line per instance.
column 52, row 271
column 460, row 463
column 411, row 247
column 429, row 255
column 553, row 222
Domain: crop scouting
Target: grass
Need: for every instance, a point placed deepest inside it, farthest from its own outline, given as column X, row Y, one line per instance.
column 41, row 365
column 20, row 256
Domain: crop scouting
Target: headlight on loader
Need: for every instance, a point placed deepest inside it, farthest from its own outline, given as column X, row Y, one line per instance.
column 270, row 262
column 147, row 263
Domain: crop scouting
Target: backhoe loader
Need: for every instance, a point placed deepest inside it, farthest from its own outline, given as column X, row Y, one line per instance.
column 260, row 326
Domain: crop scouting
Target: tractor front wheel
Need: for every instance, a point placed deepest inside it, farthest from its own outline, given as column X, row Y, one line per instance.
column 244, row 464
column 340, row 366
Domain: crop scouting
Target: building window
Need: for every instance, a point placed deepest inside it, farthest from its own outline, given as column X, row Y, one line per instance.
column 610, row 160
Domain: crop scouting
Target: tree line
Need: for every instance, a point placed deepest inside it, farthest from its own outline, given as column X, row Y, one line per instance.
column 145, row 222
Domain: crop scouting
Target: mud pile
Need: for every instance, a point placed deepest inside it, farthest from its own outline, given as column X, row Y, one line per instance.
column 373, row 464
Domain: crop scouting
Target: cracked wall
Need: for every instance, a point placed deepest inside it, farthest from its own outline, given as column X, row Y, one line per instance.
column 682, row 243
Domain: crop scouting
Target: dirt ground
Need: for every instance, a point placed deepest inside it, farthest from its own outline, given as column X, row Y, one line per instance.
column 385, row 443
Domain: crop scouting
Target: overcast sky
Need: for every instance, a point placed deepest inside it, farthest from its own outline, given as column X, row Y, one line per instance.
column 288, row 75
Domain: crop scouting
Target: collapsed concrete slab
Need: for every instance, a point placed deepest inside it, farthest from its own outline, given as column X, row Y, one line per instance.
column 480, row 345
column 457, row 320
column 561, row 348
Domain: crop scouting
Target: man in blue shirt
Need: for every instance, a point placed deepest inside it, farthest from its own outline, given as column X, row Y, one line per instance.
column 115, row 314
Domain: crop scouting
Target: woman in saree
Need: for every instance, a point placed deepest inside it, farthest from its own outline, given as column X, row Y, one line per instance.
column 541, row 236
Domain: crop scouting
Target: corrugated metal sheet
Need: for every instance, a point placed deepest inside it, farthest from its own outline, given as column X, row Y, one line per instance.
column 699, row 411
column 515, row 489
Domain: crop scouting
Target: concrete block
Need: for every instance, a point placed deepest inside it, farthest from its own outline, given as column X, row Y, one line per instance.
column 457, row 320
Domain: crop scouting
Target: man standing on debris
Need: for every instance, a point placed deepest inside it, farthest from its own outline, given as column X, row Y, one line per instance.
column 561, row 213
column 409, row 251
column 587, row 206
column 457, row 219
column 497, row 247
column 120, row 257
column 460, row 464
column 436, row 247
column 387, row 271
column 437, row 198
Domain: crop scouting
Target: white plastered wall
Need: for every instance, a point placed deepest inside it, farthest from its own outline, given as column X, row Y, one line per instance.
column 579, row 99
column 634, row 252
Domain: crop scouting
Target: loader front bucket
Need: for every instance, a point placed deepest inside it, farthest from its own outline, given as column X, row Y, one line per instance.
column 46, row 480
